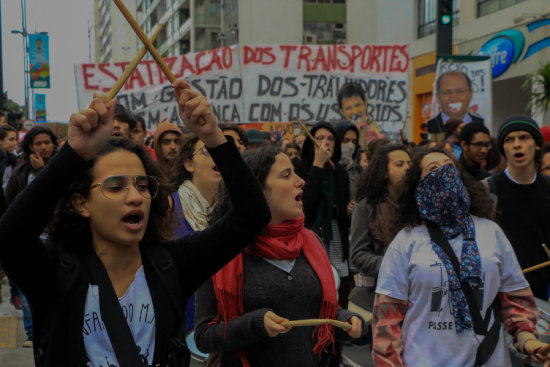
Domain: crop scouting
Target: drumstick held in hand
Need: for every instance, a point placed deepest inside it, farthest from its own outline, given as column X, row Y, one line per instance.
column 148, row 45
column 315, row 322
column 312, row 139
column 128, row 71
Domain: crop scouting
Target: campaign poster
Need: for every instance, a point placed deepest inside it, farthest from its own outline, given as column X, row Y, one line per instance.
column 39, row 60
column 39, row 107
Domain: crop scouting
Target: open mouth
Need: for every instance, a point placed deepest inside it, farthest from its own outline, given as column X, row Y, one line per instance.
column 298, row 198
column 519, row 155
column 132, row 219
column 216, row 169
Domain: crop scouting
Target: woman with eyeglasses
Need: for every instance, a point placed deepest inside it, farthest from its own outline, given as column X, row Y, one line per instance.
column 284, row 273
column 449, row 282
column 110, row 287
column 326, row 197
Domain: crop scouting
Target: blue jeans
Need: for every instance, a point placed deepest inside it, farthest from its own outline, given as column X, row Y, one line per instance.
column 27, row 317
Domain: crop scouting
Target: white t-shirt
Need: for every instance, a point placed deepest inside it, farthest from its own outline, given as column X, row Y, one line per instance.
column 412, row 271
column 137, row 307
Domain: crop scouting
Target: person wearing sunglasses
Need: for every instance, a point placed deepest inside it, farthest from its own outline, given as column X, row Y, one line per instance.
column 110, row 286
column 475, row 142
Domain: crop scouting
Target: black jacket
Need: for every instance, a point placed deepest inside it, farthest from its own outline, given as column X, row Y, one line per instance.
column 56, row 288
column 479, row 173
column 313, row 187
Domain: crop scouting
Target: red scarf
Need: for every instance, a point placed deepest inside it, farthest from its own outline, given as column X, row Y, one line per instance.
column 280, row 242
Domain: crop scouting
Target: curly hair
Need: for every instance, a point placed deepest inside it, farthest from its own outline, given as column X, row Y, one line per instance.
column 177, row 172
column 409, row 216
column 68, row 229
column 260, row 161
column 373, row 182
column 29, row 138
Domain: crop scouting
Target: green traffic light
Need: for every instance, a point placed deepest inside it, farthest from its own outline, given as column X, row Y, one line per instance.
column 446, row 19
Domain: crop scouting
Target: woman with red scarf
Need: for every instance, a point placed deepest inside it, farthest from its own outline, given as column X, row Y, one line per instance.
column 284, row 275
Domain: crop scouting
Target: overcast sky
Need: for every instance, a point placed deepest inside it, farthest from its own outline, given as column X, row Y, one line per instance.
column 66, row 21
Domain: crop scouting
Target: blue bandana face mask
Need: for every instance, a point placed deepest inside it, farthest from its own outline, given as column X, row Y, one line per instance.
column 442, row 198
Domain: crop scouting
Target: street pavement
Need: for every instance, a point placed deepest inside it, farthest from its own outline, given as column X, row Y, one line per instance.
column 354, row 356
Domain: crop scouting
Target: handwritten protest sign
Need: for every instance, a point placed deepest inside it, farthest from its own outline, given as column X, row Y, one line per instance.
column 257, row 83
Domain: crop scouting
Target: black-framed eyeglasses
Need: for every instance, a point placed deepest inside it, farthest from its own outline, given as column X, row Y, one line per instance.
column 480, row 144
column 202, row 150
column 116, row 187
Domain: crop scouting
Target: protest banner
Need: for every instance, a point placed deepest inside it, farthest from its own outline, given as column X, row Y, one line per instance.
column 258, row 83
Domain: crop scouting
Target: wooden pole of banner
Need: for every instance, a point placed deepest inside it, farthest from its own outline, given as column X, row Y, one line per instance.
column 126, row 74
column 315, row 322
column 148, row 45
column 313, row 139
column 536, row 267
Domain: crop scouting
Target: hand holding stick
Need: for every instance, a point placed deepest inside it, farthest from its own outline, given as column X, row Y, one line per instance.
column 126, row 74
column 312, row 139
column 148, row 44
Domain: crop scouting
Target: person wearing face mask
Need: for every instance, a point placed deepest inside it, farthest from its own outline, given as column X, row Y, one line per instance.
column 426, row 313
column 348, row 135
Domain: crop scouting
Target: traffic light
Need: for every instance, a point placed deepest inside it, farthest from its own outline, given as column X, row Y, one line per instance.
column 444, row 37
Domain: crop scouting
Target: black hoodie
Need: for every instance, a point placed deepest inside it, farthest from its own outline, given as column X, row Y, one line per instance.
column 313, row 192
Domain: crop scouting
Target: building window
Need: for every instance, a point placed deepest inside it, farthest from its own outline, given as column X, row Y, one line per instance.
column 326, row 1
column 485, row 7
column 324, row 33
column 427, row 11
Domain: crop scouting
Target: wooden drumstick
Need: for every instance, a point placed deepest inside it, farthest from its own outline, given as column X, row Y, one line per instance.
column 536, row 267
column 148, row 45
column 315, row 322
column 313, row 139
column 128, row 71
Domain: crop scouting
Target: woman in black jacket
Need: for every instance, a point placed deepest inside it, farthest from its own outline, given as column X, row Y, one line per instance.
column 109, row 240
column 326, row 197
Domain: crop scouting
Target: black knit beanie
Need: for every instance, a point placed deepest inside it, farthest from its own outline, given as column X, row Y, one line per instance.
column 517, row 123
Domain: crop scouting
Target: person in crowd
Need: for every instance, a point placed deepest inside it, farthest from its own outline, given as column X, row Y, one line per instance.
column 421, row 314
column 292, row 150
column 39, row 146
column 495, row 161
column 374, row 145
column 372, row 223
column 353, row 103
column 453, row 127
column 283, row 274
column 239, row 136
column 139, row 133
column 124, row 122
column 167, row 145
column 454, row 93
column 363, row 161
column 522, row 197
column 197, row 179
column 299, row 139
column 326, row 198
column 256, row 138
column 475, row 142
column 348, row 135
column 8, row 143
column 545, row 159
column 109, row 248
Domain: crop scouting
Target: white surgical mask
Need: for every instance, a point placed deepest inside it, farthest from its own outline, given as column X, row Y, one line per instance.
column 347, row 154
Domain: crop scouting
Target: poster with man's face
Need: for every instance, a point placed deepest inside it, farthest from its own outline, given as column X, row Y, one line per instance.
column 455, row 97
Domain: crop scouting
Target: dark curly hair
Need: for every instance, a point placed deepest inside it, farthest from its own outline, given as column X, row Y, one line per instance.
column 260, row 161
column 373, row 183
column 68, row 229
column 409, row 216
column 29, row 138
column 177, row 172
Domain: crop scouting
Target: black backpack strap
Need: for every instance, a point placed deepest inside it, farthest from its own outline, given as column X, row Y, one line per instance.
column 120, row 335
column 165, row 267
column 487, row 346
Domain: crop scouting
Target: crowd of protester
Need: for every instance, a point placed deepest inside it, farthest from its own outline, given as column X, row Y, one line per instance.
column 346, row 225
